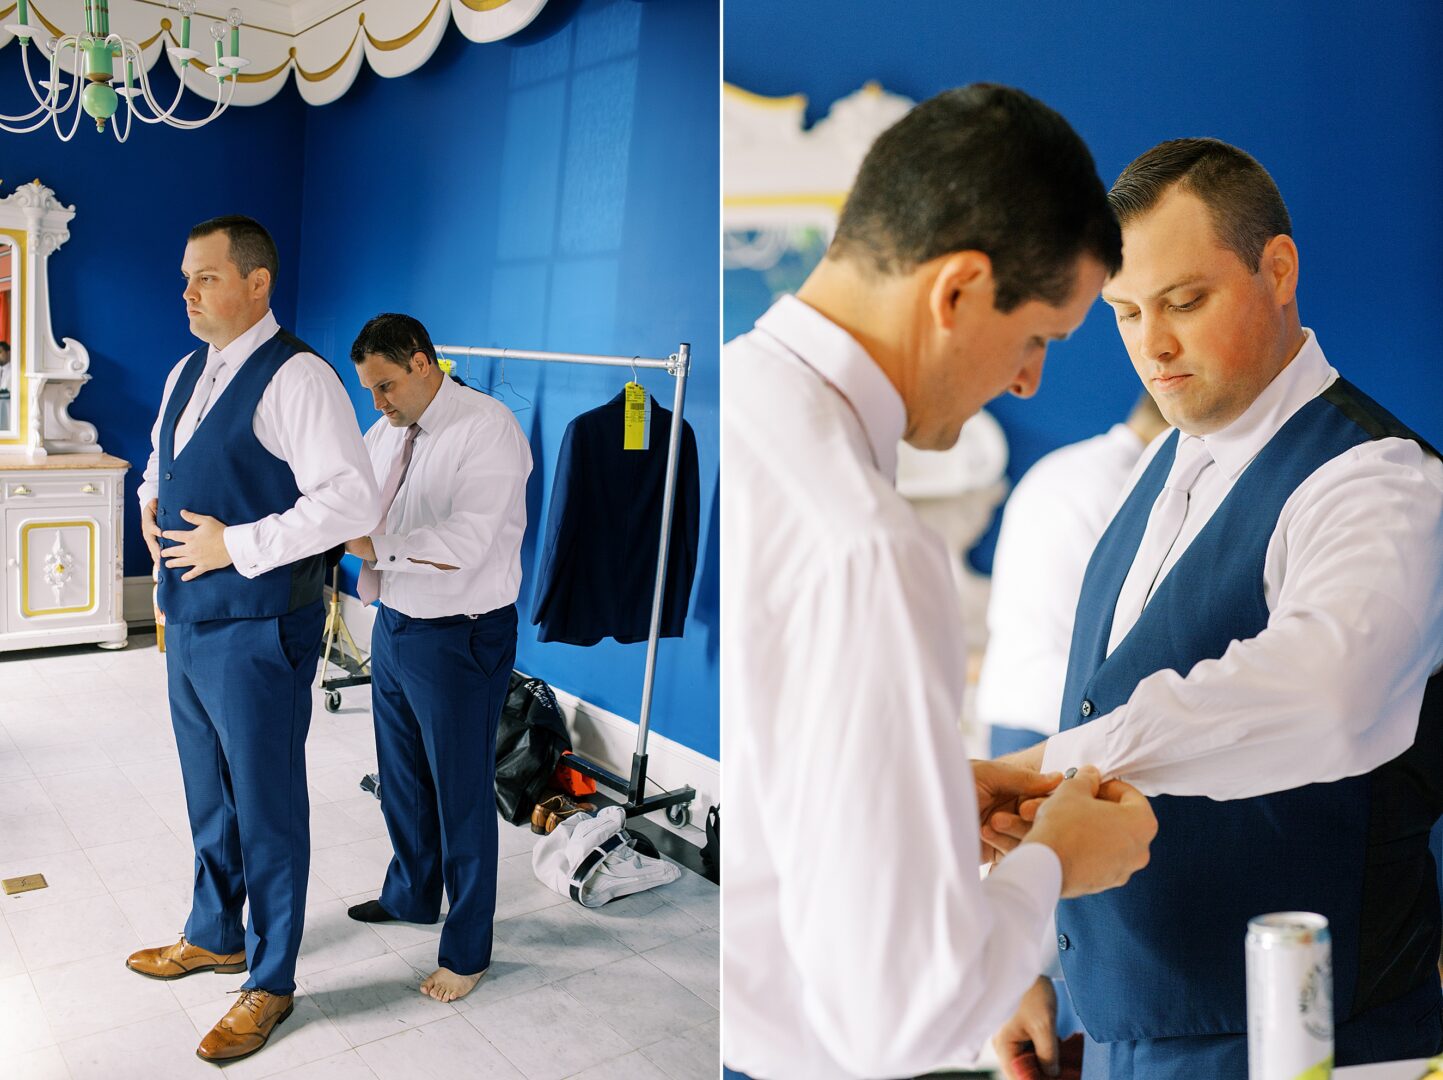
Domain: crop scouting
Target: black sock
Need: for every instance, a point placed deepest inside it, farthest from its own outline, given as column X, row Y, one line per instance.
column 370, row 911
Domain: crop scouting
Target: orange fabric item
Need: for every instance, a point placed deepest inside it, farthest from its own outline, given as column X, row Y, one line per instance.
column 570, row 781
column 1026, row 1066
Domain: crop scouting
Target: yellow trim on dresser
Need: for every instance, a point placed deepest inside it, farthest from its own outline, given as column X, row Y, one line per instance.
column 25, row 529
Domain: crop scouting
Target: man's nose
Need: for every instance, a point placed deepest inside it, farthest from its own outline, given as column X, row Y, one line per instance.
column 1158, row 340
column 1029, row 379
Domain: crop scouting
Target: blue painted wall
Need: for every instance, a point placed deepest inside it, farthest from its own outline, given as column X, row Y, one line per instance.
column 1344, row 106
column 570, row 206
column 557, row 190
column 115, row 285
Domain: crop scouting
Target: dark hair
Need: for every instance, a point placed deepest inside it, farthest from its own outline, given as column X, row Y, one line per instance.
column 396, row 337
column 1246, row 207
column 982, row 168
column 251, row 247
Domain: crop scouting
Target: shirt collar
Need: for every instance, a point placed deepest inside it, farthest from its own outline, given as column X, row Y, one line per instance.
column 434, row 415
column 1303, row 379
column 839, row 359
column 238, row 351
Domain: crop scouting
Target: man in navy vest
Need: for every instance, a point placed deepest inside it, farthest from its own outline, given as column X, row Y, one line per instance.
column 257, row 470
column 443, row 557
column 1257, row 645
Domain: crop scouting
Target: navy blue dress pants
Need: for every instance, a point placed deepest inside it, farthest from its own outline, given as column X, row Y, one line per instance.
column 437, row 687
column 240, row 703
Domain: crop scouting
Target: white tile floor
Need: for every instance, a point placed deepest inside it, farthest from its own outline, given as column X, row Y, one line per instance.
column 90, row 796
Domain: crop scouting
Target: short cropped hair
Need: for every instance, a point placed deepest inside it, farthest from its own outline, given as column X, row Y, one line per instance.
column 982, row 168
column 251, row 247
column 396, row 337
column 1246, row 207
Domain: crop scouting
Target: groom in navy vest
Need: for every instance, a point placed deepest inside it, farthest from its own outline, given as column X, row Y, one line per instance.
column 257, row 470
column 1257, row 646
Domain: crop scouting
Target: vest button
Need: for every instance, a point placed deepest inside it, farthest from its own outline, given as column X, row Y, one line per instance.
column 1086, row 707
column 1062, row 943
column 167, row 476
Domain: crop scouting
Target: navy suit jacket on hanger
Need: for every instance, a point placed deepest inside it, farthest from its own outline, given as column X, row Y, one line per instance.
column 598, row 562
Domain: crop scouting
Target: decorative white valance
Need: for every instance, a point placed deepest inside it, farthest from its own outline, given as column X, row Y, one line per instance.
column 323, row 42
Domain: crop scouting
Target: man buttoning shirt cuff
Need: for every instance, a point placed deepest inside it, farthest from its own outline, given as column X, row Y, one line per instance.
column 1085, row 745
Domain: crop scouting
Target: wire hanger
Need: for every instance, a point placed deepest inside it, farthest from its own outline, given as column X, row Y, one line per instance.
column 505, row 384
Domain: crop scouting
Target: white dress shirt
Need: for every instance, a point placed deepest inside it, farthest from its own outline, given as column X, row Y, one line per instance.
column 1050, row 525
column 859, row 940
column 1353, row 580
column 462, row 503
column 304, row 418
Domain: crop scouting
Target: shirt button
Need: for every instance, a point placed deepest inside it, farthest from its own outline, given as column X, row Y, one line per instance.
column 391, row 558
column 1086, row 707
column 1062, row 942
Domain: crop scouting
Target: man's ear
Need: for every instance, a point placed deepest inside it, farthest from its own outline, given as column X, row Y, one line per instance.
column 1279, row 267
column 419, row 360
column 963, row 280
column 260, row 282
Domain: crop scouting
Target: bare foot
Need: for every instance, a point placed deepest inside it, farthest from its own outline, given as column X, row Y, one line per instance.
column 443, row 984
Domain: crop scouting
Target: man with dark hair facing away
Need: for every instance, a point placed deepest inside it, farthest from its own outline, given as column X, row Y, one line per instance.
column 257, row 471
column 1256, row 645
column 863, row 944
column 444, row 559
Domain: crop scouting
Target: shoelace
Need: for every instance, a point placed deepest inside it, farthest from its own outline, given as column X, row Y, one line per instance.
column 173, row 952
column 252, row 1001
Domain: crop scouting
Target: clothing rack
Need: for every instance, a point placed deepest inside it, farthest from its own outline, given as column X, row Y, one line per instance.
column 676, row 803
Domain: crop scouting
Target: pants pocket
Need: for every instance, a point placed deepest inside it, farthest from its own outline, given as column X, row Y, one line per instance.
column 298, row 633
column 493, row 641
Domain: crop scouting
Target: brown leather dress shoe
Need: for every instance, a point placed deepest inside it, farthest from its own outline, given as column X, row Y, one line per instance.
column 245, row 1029
column 182, row 959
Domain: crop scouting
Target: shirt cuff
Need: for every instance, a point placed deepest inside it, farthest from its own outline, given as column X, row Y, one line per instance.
column 240, row 543
column 388, row 550
column 147, row 492
column 1084, row 745
column 1033, row 871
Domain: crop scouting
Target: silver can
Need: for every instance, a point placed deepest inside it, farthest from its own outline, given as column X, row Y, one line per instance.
column 1290, row 997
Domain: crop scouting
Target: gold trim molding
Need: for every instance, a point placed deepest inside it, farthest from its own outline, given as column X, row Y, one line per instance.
column 323, row 54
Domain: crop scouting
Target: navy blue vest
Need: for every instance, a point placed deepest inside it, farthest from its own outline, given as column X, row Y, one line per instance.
column 225, row 472
column 1163, row 955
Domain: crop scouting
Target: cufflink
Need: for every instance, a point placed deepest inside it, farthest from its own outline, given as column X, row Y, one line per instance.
column 1070, row 773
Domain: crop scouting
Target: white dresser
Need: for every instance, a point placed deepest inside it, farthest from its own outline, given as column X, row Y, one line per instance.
column 61, row 550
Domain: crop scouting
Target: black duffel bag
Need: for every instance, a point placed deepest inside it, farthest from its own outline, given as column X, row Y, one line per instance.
column 530, row 739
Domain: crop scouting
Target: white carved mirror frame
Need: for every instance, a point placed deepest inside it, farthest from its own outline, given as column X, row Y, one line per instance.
column 46, row 375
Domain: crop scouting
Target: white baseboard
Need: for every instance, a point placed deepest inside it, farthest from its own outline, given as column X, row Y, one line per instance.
column 597, row 734
column 604, row 737
column 137, row 596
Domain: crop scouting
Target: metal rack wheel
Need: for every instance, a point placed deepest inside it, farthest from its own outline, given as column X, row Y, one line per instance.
column 679, row 815
column 333, row 700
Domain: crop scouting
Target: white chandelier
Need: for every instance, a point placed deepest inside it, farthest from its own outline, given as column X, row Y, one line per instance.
column 91, row 60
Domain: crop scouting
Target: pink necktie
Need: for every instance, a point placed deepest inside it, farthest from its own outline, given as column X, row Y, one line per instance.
column 368, row 586
column 1164, row 525
column 194, row 411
